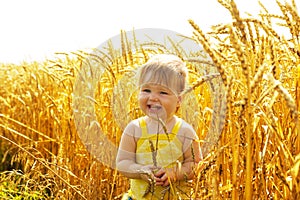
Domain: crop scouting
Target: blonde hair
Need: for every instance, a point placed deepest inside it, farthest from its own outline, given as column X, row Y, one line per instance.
column 164, row 69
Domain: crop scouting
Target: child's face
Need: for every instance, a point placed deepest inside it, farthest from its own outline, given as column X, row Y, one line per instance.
column 158, row 101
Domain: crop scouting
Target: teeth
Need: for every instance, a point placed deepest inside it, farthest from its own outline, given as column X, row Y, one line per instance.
column 154, row 107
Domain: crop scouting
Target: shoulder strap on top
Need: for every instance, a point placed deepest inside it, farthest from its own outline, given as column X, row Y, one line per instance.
column 177, row 125
column 143, row 126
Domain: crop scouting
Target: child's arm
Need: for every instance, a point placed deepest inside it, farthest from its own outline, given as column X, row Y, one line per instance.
column 126, row 162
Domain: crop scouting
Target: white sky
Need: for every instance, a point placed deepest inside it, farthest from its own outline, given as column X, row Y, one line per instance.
column 34, row 29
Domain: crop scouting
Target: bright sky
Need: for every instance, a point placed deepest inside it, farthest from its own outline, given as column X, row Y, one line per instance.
column 34, row 29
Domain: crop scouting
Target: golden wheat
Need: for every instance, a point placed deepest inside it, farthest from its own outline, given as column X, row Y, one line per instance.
column 246, row 114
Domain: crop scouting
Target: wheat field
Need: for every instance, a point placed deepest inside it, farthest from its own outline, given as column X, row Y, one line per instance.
column 246, row 113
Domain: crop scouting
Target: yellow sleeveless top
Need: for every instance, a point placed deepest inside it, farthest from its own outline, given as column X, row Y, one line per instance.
column 168, row 154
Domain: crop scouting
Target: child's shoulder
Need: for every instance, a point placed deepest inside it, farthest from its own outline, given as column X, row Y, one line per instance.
column 133, row 127
column 185, row 124
column 134, row 122
column 186, row 129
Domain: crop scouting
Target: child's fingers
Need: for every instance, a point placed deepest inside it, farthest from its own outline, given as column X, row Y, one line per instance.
column 163, row 181
column 158, row 182
column 164, row 177
column 166, row 183
column 146, row 173
column 160, row 173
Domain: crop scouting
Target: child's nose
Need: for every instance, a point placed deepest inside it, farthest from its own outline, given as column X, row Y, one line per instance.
column 153, row 97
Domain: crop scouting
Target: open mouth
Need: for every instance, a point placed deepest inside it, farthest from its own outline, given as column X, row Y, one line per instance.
column 154, row 108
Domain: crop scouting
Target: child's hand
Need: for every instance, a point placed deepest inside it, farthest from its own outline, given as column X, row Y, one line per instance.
column 163, row 176
column 146, row 173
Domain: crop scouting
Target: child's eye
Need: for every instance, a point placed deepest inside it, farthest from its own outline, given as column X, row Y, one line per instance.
column 146, row 90
column 164, row 93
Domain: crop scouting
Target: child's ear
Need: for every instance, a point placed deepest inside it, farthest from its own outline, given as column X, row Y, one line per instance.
column 179, row 101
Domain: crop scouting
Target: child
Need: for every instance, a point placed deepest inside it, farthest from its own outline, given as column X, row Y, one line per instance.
column 159, row 151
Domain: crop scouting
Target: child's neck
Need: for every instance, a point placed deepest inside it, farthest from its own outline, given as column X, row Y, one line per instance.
column 163, row 125
column 160, row 120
